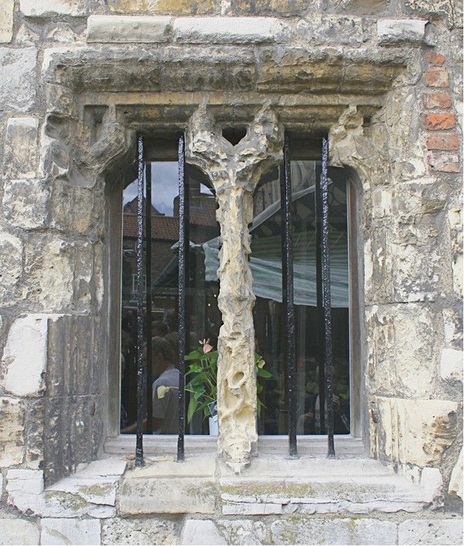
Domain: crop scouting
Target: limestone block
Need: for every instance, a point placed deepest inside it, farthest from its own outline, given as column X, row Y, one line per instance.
column 244, row 531
column 416, row 431
column 239, row 30
column 18, row 531
column 6, row 20
column 456, row 482
column 17, row 73
column 48, row 272
column 198, row 531
column 10, row 268
column 325, row 30
column 451, row 363
column 11, row 432
column 25, row 355
column 176, row 7
column 127, row 29
column 428, row 531
column 146, row 530
column 392, row 31
column 24, row 481
column 70, row 531
column 431, row 480
column 269, row 7
column 44, row 8
column 333, row 531
column 25, row 203
column 367, row 7
column 20, row 159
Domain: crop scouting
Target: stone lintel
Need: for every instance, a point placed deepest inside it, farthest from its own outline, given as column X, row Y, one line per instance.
column 127, row 29
column 392, row 31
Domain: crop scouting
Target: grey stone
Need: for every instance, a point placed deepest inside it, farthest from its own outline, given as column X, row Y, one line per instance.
column 392, row 31
column 11, row 250
column 17, row 72
column 238, row 30
column 202, row 532
column 18, row 531
column 430, row 531
column 12, row 441
column 133, row 531
column 70, row 531
column 324, row 30
column 44, row 8
column 20, row 159
column 6, row 21
column 25, row 203
column 334, row 531
column 127, row 29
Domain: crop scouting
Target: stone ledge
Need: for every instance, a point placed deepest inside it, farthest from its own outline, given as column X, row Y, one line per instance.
column 127, row 29
column 394, row 31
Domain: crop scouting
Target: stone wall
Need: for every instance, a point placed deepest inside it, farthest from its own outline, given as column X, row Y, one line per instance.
column 80, row 77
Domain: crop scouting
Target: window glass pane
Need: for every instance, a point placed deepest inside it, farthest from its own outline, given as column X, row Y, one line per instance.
column 202, row 315
column 270, row 324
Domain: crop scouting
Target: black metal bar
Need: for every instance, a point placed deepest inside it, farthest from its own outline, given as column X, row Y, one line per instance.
column 181, row 313
column 148, row 256
column 326, row 300
column 139, row 253
column 320, row 311
column 287, row 295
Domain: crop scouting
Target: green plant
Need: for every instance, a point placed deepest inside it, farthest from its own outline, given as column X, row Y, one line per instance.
column 202, row 370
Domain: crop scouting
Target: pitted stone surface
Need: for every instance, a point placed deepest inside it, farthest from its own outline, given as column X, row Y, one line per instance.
column 18, row 89
column 6, row 20
column 122, row 29
column 32, row 8
column 69, row 531
column 18, row 531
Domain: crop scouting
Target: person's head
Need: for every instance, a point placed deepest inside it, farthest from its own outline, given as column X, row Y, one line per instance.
column 162, row 354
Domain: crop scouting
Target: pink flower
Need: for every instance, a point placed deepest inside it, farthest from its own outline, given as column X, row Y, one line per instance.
column 206, row 346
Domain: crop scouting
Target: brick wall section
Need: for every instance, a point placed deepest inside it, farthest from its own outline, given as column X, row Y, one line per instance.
column 439, row 121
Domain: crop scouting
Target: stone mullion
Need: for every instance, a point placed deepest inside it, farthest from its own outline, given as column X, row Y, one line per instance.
column 237, row 399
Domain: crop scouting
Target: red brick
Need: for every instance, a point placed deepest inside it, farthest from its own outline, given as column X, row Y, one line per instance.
column 439, row 122
column 439, row 99
column 443, row 162
column 442, row 142
column 435, row 58
column 437, row 77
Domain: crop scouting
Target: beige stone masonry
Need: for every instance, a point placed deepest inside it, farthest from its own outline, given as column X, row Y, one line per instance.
column 127, row 29
column 6, row 20
column 391, row 31
column 20, row 159
column 239, row 30
column 40, row 8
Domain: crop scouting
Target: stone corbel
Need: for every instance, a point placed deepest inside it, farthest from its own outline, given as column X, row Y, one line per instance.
column 235, row 172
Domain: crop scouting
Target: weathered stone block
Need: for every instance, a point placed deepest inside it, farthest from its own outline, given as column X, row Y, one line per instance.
column 451, row 364
column 174, row 7
column 17, row 72
column 244, row 531
column 25, row 203
column 444, row 162
column 6, row 21
column 392, row 31
column 44, row 8
column 270, row 7
column 333, row 531
column 127, row 29
column 197, row 531
column 365, row 7
column 12, row 431
column 70, row 531
column 146, row 530
column 238, row 30
column 427, row 531
column 456, row 483
column 416, row 431
column 18, row 531
column 20, row 159
column 11, row 250
column 25, row 355
column 24, row 481
column 435, row 8
column 325, row 30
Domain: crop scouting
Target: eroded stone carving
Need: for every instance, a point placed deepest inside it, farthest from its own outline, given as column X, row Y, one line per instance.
column 235, row 172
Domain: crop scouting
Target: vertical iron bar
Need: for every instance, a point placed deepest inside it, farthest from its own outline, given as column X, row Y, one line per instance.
column 326, row 301
column 148, row 240
column 139, row 254
column 287, row 294
column 183, row 249
column 319, row 306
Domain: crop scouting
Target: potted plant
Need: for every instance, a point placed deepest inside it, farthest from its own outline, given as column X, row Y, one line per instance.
column 202, row 373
